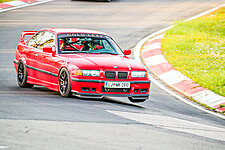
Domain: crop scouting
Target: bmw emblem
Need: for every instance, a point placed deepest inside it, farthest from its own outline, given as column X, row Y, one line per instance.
column 115, row 67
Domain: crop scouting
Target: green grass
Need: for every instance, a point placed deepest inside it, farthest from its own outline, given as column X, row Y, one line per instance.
column 222, row 105
column 197, row 49
column 2, row 1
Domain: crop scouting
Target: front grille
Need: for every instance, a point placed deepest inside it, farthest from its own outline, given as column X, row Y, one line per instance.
column 122, row 75
column 115, row 90
column 110, row 74
column 114, row 75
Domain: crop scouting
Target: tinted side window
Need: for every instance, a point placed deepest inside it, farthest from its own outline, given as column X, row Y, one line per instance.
column 42, row 39
column 36, row 39
column 48, row 40
column 107, row 45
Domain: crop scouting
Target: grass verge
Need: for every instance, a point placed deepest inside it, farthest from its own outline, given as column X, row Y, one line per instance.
column 197, row 49
column 2, row 1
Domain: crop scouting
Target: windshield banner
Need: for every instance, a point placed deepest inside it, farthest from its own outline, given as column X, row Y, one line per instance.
column 81, row 35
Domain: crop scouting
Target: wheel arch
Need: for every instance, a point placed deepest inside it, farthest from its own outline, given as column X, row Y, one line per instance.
column 22, row 59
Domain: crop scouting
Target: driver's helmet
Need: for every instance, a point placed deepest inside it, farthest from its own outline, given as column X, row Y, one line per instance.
column 73, row 39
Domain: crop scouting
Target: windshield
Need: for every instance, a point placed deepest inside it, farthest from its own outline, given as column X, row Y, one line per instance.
column 87, row 43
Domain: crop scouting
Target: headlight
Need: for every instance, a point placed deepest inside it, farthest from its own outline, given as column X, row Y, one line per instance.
column 95, row 73
column 139, row 74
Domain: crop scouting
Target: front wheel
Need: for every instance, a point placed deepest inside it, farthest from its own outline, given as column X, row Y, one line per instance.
column 136, row 100
column 64, row 83
column 22, row 76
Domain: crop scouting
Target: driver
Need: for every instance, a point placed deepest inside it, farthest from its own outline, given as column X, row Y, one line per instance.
column 90, row 44
column 61, row 44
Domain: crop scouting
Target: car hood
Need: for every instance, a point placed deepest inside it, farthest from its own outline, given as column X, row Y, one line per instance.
column 103, row 62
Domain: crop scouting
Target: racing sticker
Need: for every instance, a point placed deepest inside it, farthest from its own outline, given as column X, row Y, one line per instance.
column 81, row 35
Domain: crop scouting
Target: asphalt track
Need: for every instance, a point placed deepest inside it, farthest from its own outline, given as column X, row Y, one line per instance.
column 38, row 118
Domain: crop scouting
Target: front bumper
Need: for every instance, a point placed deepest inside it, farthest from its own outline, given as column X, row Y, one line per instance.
column 88, row 88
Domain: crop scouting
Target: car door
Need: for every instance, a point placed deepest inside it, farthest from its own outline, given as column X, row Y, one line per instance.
column 32, row 51
column 44, row 62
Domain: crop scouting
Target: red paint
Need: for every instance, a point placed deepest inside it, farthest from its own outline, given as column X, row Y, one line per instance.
column 151, row 53
column 147, row 44
column 4, row 5
column 195, row 90
column 189, row 87
column 127, row 52
column 220, row 109
column 161, row 68
column 39, row 62
column 29, row 1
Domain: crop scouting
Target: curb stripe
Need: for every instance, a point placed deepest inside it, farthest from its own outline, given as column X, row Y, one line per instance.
column 15, row 3
column 149, row 49
column 151, row 53
column 137, row 57
column 152, row 47
column 4, row 6
column 29, row 1
column 173, row 77
column 221, row 109
column 189, row 87
column 155, row 60
column 20, row 4
column 161, row 68
column 207, row 97
column 150, row 42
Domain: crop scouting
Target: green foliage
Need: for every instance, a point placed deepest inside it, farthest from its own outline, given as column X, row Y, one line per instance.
column 222, row 105
column 197, row 49
column 2, row 1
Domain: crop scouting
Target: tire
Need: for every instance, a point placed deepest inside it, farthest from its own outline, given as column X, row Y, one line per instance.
column 136, row 100
column 22, row 76
column 64, row 83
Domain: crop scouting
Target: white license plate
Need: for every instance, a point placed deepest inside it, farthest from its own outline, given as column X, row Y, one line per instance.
column 110, row 84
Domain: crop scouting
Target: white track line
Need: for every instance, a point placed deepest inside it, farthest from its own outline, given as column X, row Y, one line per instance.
column 204, row 130
column 137, row 58
column 4, row 147
column 37, row 3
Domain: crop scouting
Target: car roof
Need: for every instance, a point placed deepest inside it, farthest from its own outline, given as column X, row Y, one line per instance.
column 72, row 30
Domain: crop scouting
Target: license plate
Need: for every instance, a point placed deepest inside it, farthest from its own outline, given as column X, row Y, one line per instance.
column 110, row 84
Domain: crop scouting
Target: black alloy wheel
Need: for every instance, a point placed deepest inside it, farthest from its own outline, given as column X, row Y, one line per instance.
column 64, row 83
column 22, row 76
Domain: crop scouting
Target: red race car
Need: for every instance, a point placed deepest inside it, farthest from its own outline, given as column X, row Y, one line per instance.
column 83, row 63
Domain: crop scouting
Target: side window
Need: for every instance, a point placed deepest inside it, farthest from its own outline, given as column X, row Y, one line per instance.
column 36, row 39
column 41, row 39
column 106, row 45
column 48, row 40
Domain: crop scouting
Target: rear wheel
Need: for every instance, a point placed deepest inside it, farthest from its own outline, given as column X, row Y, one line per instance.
column 22, row 76
column 136, row 100
column 64, row 83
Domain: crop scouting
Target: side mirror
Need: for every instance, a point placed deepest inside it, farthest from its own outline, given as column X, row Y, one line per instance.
column 127, row 52
column 48, row 49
